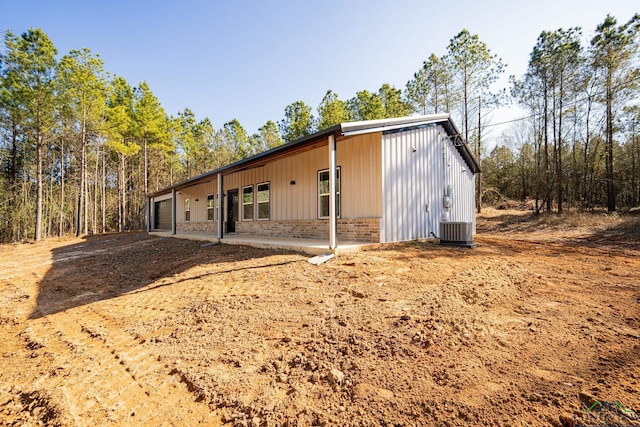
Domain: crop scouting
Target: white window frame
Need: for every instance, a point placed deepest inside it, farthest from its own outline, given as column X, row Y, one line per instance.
column 252, row 203
column 211, row 198
column 216, row 207
column 187, row 210
column 267, row 202
column 320, row 195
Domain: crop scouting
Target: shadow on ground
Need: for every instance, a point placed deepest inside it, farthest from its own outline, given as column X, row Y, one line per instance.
column 107, row 266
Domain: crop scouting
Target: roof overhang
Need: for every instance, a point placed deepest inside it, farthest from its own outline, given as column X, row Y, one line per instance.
column 415, row 122
column 343, row 129
column 385, row 125
column 461, row 146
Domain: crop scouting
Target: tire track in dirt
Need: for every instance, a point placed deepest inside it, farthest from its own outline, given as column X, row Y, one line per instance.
column 507, row 334
column 171, row 294
column 105, row 376
column 43, row 255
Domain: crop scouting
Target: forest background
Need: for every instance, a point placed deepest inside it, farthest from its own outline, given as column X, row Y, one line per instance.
column 80, row 147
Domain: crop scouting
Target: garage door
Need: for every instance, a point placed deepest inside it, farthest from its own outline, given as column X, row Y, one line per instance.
column 162, row 217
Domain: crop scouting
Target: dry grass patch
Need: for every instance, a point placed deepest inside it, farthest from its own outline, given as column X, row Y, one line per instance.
column 571, row 223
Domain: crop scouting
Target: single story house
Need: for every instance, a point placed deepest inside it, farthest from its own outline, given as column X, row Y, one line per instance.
column 378, row 181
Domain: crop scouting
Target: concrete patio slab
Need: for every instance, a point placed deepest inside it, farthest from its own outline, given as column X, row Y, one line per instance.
column 308, row 246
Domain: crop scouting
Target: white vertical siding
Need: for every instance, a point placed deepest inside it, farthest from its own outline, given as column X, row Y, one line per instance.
column 416, row 172
column 463, row 205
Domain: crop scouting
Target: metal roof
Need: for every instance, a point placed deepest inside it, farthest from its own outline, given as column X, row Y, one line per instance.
column 368, row 126
column 342, row 129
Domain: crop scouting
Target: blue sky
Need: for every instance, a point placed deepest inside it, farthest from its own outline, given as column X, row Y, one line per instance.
column 250, row 59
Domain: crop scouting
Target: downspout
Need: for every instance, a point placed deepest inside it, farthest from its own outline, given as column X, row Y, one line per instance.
column 333, row 220
column 173, row 211
column 220, row 208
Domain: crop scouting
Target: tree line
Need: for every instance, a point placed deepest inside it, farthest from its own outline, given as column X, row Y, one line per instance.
column 80, row 148
column 579, row 146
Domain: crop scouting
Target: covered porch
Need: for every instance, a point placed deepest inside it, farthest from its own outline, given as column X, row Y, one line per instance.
column 308, row 246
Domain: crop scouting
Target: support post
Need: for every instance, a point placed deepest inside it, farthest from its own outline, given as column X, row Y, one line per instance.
column 147, row 213
column 173, row 211
column 220, row 208
column 333, row 217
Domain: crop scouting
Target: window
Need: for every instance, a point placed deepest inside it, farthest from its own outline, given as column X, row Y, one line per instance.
column 210, row 207
column 247, row 203
column 216, row 207
column 187, row 210
column 263, row 200
column 323, row 193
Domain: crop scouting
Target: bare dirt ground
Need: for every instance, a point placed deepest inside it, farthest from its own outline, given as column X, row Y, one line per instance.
column 530, row 328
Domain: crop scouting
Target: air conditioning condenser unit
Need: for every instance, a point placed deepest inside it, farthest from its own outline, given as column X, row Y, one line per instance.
column 456, row 233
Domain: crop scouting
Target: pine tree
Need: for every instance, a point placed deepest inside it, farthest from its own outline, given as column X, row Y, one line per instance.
column 82, row 78
column 269, row 137
column 298, row 121
column 331, row 111
column 429, row 91
column 31, row 62
column 120, row 130
column 613, row 52
column 365, row 106
column 475, row 68
column 392, row 102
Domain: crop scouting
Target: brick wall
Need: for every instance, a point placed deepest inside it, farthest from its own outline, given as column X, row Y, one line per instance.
column 198, row 227
column 361, row 229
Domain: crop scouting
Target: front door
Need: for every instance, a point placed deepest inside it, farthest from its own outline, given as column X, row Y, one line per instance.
column 232, row 210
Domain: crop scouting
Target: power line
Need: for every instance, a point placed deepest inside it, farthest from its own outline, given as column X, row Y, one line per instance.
column 571, row 103
column 519, row 119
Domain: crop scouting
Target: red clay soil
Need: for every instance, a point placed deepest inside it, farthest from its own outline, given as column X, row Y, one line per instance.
column 532, row 328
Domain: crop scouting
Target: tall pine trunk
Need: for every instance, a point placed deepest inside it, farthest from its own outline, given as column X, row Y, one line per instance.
column 611, row 189
column 585, row 176
column 86, row 194
column 38, row 228
column 559, row 171
column 95, row 192
column 634, row 172
column 81, row 192
column 478, row 176
column 545, row 130
column 61, row 228
column 122, row 196
column 146, row 183
column 104, row 191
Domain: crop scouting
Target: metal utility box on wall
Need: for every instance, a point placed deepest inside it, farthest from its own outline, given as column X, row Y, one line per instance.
column 456, row 233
